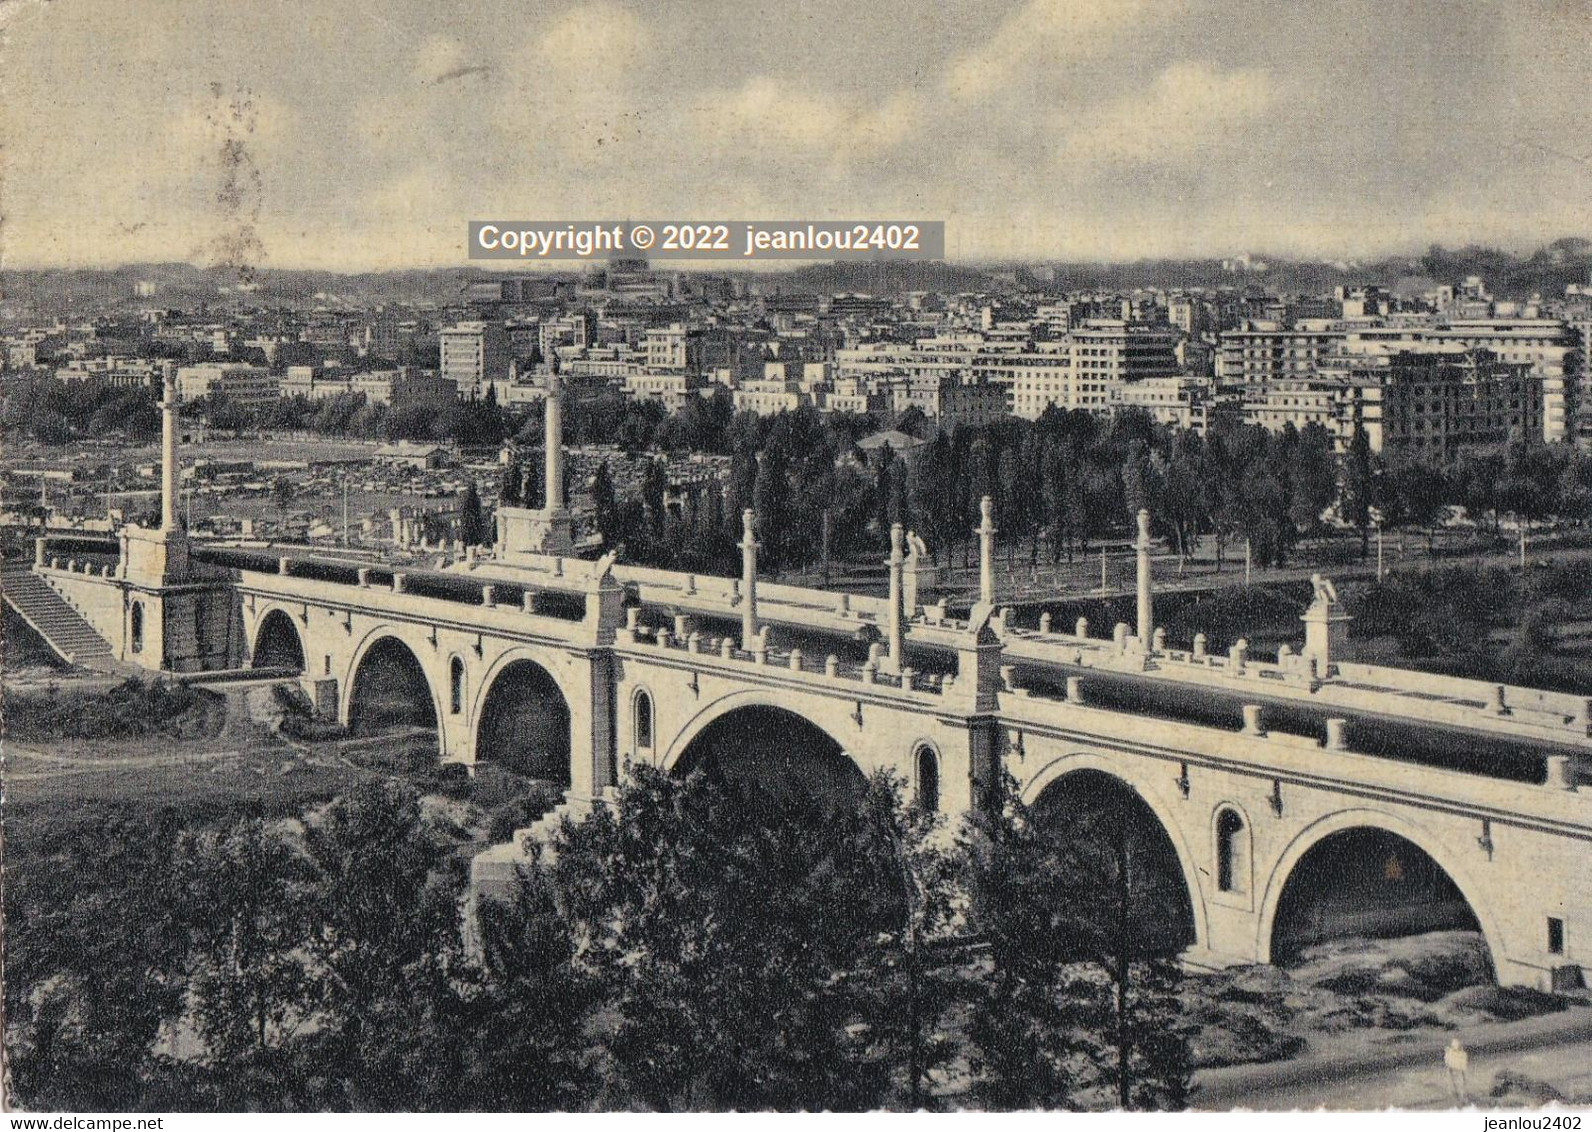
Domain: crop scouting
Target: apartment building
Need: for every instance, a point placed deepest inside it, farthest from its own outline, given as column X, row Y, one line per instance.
column 473, row 354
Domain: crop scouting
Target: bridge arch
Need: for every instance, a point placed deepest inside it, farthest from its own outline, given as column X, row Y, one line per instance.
column 277, row 642
column 725, row 705
column 1067, row 765
column 786, row 752
column 1355, row 820
column 521, row 719
column 388, row 684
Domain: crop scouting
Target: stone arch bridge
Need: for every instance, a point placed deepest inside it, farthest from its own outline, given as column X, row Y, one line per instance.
column 1253, row 776
column 646, row 663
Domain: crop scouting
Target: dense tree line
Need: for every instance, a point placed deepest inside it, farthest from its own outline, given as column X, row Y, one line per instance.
column 694, row 947
column 1060, row 484
column 58, row 412
column 472, row 421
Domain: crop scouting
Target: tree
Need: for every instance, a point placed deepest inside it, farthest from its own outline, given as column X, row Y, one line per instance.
column 511, row 489
column 907, row 992
column 604, row 507
column 1359, row 487
column 654, row 487
column 1314, row 476
column 1023, row 1028
column 95, row 958
column 1080, row 1007
column 472, row 523
column 51, row 428
column 771, row 501
column 719, row 927
column 386, row 933
column 245, row 894
column 525, row 1009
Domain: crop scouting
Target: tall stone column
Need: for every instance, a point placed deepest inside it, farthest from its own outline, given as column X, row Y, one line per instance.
column 986, row 551
column 1146, row 605
column 748, row 580
column 168, row 453
column 553, row 438
column 897, row 564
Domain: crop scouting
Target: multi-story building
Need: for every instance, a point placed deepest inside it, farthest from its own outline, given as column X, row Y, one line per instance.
column 245, row 385
column 574, row 330
column 1338, row 403
column 672, row 390
column 852, row 395
column 1042, row 382
column 119, row 372
column 381, row 335
column 1432, row 403
column 767, row 396
column 474, row 353
column 1181, row 402
column 1439, row 401
column 1549, row 346
column 949, row 403
column 1123, row 351
column 671, row 347
column 1268, row 351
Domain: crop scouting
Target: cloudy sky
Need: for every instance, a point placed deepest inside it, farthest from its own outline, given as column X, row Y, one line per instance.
column 365, row 133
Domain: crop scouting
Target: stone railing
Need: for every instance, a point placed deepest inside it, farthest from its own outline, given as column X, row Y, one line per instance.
column 1418, row 696
column 493, row 604
column 1326, row 761
column 809, row 666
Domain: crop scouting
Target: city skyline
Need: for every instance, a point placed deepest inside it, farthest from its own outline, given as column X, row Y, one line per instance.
column 365, row 138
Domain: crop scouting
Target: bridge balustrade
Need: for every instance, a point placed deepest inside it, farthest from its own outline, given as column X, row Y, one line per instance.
column 791, row 660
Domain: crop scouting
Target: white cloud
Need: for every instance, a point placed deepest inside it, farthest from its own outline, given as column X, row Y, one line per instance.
column 1189, row 107
column 1042, row 34
column 1035, row 127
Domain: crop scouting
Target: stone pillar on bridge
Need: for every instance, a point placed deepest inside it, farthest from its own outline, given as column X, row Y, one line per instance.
column 978, row 668
column 748, row 580
column 1326, row 628
column 168, row 453
column 523, row 532
column 553, row 437
column 986, row 551
column 896, row 562
column 184, row 619
column 1146, row 599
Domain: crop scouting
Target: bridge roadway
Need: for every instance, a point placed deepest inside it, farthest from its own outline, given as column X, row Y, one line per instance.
column 1249, row 767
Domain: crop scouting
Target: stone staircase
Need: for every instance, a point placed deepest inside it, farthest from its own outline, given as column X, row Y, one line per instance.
column 493, row 871
column 47, row 613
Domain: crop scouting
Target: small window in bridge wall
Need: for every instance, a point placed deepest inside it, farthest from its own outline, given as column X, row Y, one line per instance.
column 1232, row 852
column 136, row 633
column 928, row 779
column 643, row 721
column 455, row 685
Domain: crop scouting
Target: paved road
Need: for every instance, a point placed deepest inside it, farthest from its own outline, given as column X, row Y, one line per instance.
column 1556, row 1048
